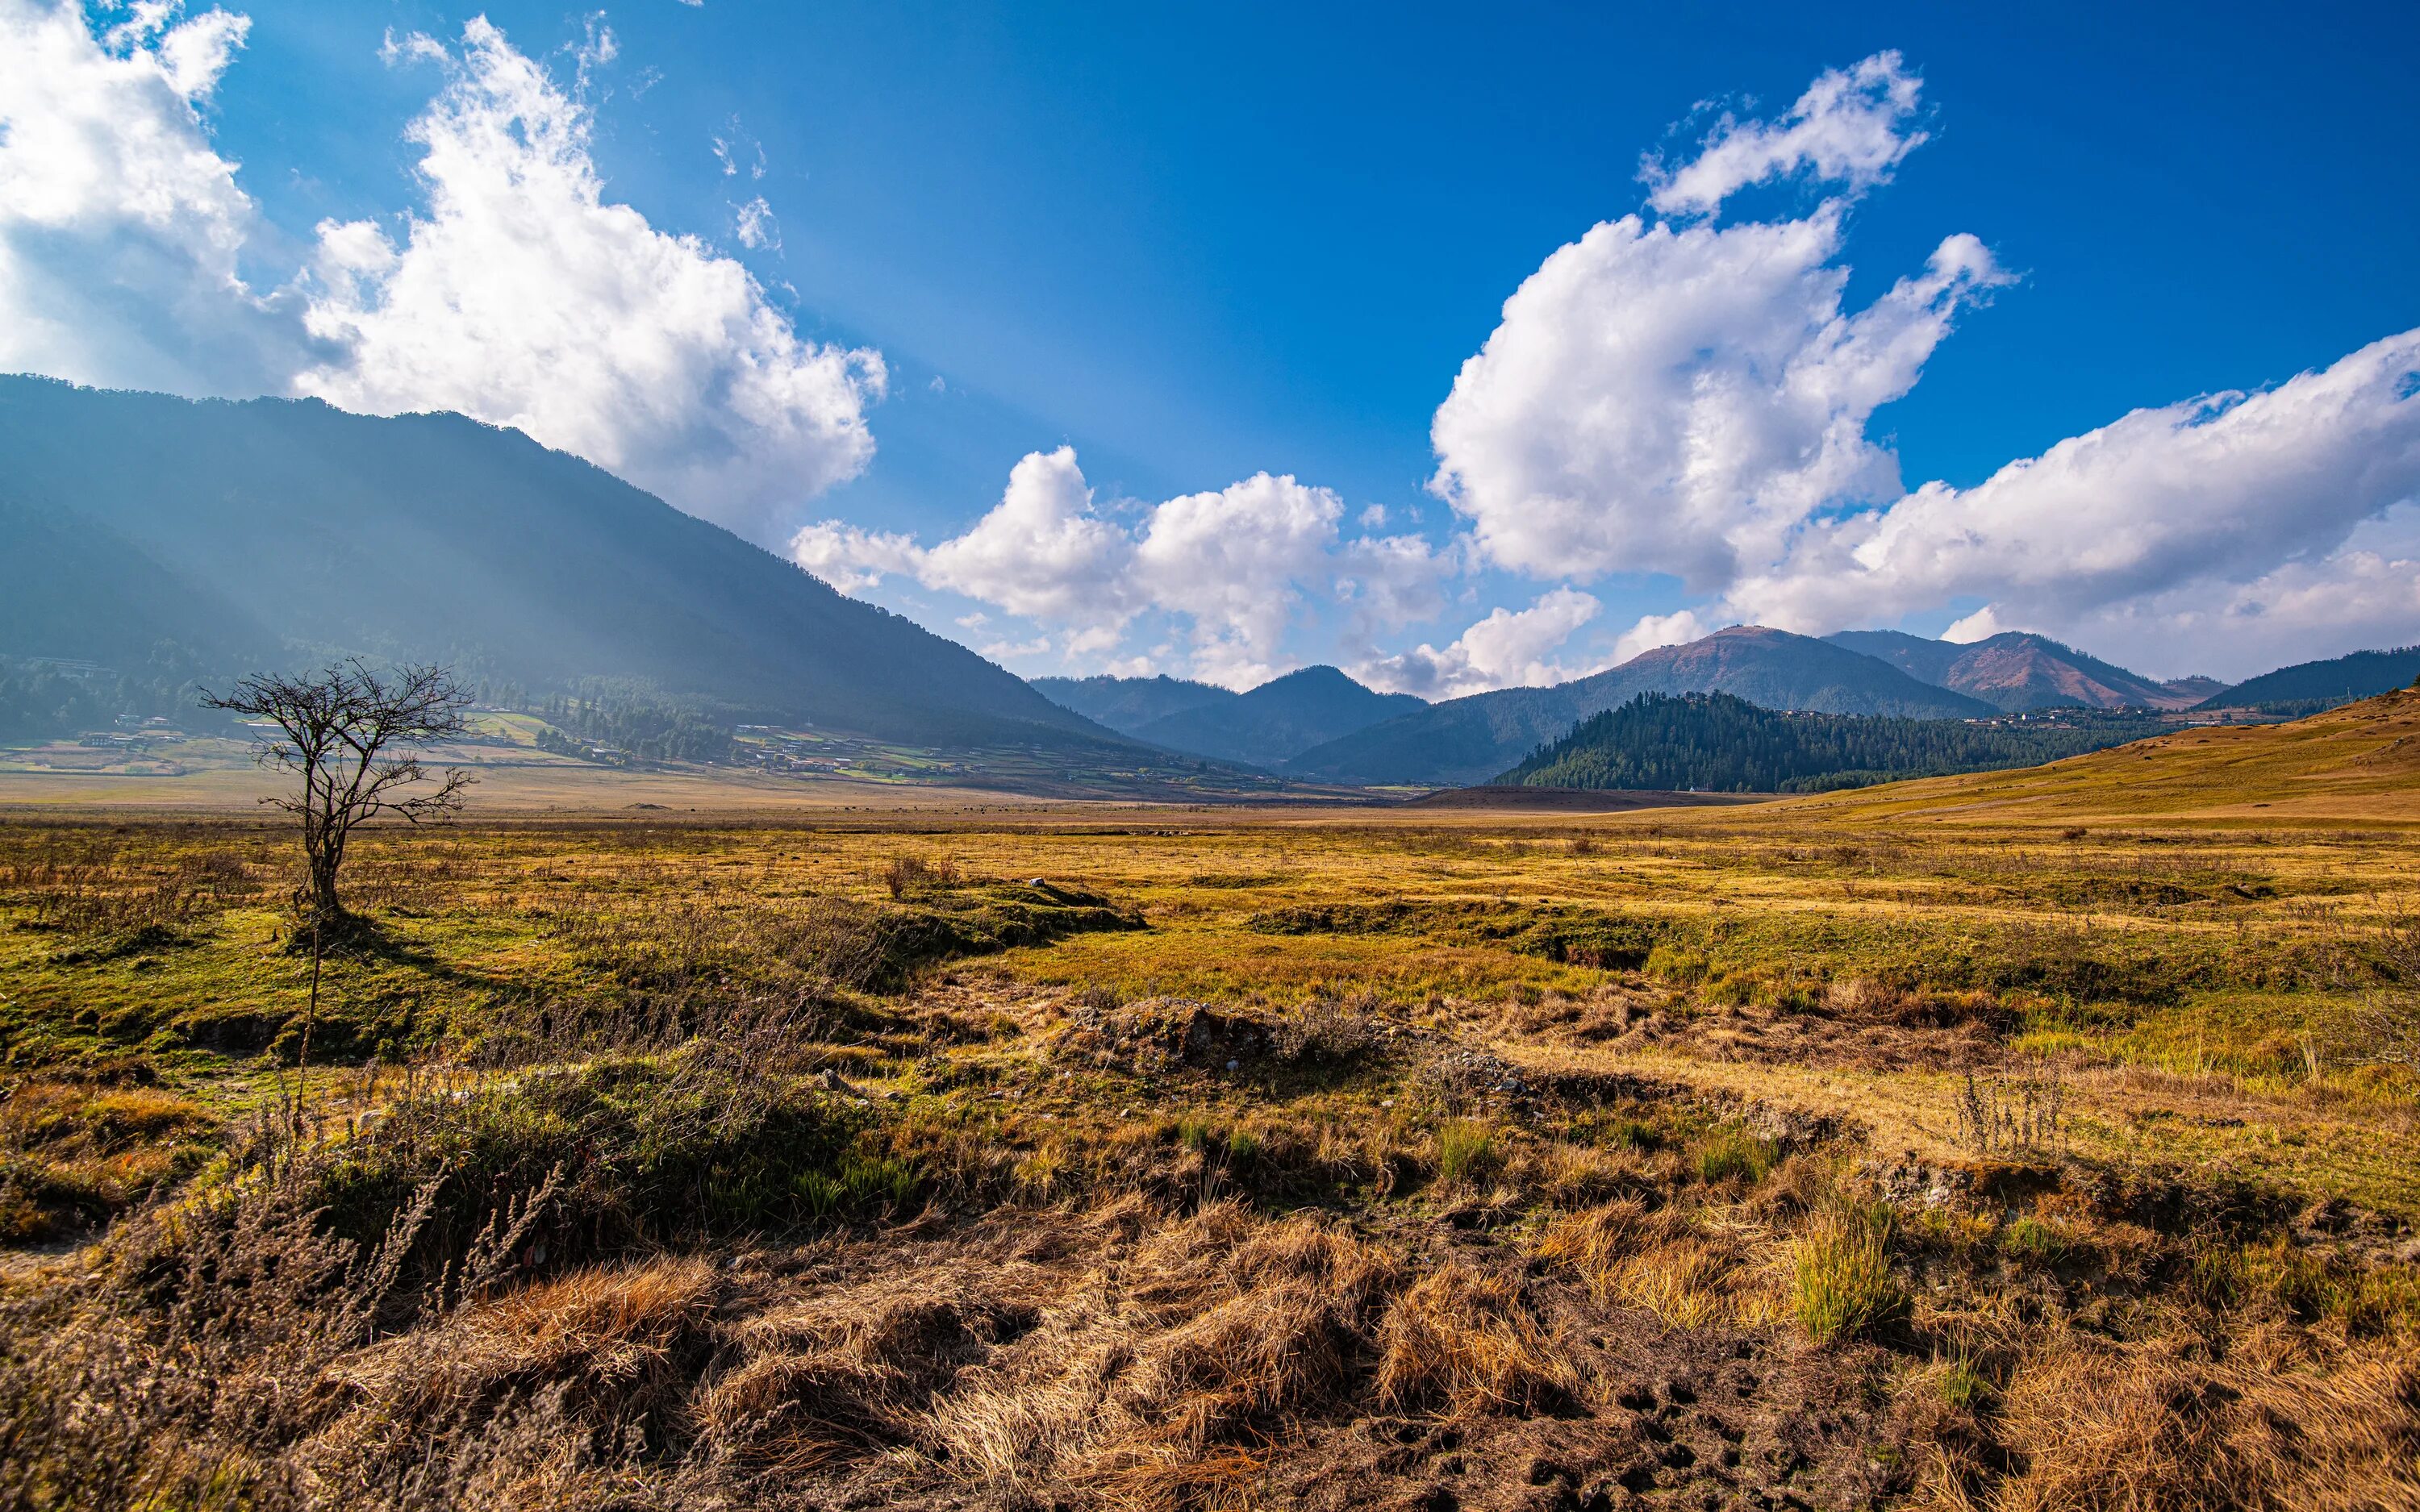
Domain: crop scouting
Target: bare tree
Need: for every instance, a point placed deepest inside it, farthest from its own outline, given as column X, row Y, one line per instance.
column 347, row 735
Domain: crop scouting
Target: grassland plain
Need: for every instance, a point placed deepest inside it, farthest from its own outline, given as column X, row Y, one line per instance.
column 2004, row 1142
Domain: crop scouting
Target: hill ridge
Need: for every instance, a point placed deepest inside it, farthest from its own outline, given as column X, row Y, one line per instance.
column 1467, row 740
column 2016, row 670
column 2356, row 763
column 433, row 536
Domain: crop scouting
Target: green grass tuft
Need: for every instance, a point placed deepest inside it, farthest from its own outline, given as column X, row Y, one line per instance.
column 1466, row 1152
column 1841, row 1284
column 1731, row 1153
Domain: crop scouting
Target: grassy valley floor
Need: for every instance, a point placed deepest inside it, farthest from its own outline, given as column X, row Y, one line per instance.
column 1818, row 1155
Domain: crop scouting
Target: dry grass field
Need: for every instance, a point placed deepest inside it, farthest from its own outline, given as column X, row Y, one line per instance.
column 2015, row 1142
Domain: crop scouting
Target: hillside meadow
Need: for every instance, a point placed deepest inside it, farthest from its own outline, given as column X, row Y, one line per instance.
column 2010, row 1141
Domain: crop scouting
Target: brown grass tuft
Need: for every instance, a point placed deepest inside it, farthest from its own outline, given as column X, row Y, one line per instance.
column 1593, row 1243
column 1467, row 1339
column 2137, row 1428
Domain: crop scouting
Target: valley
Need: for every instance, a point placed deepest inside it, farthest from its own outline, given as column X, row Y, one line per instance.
column 1184, row 759
column 2013, row 1140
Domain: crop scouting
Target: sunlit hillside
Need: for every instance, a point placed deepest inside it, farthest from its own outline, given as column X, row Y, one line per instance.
column 2359, row 764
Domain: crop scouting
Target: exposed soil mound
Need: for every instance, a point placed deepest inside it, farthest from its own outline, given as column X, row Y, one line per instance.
column 1157, row 1032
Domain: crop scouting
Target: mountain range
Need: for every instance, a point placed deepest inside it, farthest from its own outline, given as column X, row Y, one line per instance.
column 2014, row 672
column 269, row 532
column 1126, row 704
column 210, row 537
column 1265, row 726
column 1467, row 740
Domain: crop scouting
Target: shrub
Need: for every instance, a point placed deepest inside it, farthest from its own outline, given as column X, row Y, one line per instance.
column 1326, row 1031
column 913, row 874
column 1841, row 1284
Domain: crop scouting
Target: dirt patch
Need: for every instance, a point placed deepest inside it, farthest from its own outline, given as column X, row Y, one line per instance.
column 1564, row 933
column 1891, row 1040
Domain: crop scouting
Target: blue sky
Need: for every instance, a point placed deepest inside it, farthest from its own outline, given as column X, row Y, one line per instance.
column 1197, row 246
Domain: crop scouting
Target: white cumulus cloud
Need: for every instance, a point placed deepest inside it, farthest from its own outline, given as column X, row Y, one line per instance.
column 122, row 231
column 525, row 298
column 1851, row 127
column 2222, row 529
column 1675, row 400
column 1509, row 648
column 1235, row 563
column 1677, row 397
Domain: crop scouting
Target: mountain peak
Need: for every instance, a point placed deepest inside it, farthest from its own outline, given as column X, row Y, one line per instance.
column 2014, row 670
column 1321, row 675
column 1278, row 720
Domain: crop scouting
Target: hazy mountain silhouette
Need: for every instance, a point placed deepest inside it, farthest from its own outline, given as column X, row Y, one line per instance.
column 1280, row 719
column 1126, row 704
column 277, row 530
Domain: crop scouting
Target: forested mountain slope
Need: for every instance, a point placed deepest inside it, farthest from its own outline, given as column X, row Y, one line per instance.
column 271, row 530
column 1712, row 742
column 1467, row 740
column 2319, row 683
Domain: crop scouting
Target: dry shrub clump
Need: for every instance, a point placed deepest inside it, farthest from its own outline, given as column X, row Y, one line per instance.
column 906, row 874
column 597, row 1363
column 2019, row 1117
column 170, row 1375
column 1329, row 1031
column 615, row 1336
column 116, row 896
